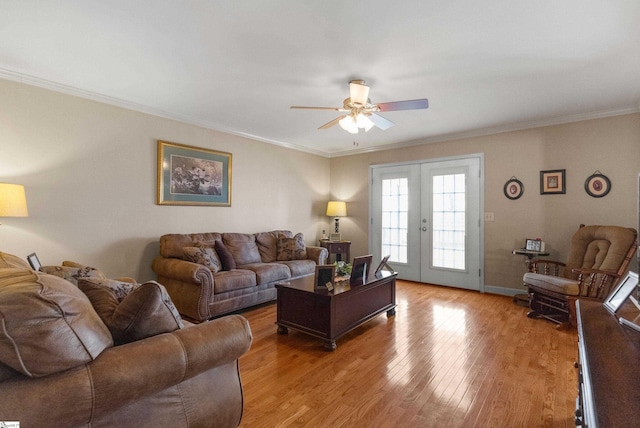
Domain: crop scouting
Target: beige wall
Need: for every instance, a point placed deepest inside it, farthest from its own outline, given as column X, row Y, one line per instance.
column 90, row 174
column 610, row 145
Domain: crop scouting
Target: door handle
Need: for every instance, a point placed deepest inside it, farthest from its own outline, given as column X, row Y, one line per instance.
column 424, row 228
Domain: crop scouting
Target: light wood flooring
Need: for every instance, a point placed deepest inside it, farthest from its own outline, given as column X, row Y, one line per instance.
column 449, row 358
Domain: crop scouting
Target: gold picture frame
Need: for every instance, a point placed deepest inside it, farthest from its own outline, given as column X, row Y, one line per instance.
column 190, row 175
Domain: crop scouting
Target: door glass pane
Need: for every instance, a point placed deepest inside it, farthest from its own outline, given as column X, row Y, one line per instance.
column 395, row 214
column 449, row 222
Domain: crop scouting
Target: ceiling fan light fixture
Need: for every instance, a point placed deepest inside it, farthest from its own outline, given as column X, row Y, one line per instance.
column 359, row 92
column 364, row 122
column 349, row 124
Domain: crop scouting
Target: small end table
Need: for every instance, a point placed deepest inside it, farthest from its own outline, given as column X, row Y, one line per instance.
column 337, row 248
column 530, row 255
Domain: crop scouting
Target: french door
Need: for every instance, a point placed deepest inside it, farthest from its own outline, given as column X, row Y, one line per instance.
column 427, row 217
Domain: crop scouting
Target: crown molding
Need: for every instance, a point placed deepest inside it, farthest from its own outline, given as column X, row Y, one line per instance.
column 93, row 96
column 141, row 108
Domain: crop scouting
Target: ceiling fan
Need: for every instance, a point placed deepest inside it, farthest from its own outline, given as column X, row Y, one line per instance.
column 360, row 113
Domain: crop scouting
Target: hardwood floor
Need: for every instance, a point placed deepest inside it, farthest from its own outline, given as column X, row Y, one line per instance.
column 449, row 358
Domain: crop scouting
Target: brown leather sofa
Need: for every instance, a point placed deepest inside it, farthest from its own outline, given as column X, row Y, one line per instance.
column 230, row 271
column 59, row 366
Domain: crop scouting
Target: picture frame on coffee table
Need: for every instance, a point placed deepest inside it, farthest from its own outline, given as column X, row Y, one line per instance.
column 324, row 275
column 190, row 175
column 360, row 270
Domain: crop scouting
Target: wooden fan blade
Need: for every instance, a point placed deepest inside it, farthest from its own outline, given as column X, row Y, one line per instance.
column 404, row 105
column 380, row 121
column 333, row 122
column 317, row 108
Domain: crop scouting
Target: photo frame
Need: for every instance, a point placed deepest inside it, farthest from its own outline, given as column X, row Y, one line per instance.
column 533, row 245
column 552, row 182
column 324, row 275
column 360, row 270
column 513, row 188
column 382, row 264
column 597, row 185
column 190, row 175
column 621, row 293
column 335, row 237
column 33, row 261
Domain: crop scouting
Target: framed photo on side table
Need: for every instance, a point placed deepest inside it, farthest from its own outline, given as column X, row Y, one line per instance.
column 33, row 261
column 621, row 293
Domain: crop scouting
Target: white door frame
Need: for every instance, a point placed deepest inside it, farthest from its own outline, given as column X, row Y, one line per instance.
column 480, row 156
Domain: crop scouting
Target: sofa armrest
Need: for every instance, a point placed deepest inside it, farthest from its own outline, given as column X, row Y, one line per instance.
column 318, row 255
column 124, row 374
column 181, row 270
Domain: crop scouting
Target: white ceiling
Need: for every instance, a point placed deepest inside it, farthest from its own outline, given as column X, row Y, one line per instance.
column 237, row 65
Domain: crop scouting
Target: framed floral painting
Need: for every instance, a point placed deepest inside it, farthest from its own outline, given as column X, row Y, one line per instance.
column 193, row 176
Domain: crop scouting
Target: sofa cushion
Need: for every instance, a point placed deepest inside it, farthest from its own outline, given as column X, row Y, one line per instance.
column 203, row 254
column 73, row 273
column 145, row 311
column 300, row 267
column 47, row 325
column 226, row 258
column 269, row 272
column 267, row 244
column 10, row 261
column 236, row 279
column 556, row 284
column 243, row 247
column 291, row 248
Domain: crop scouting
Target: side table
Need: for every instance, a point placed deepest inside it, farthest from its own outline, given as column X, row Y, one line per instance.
column 530, row 255
column 337, row 248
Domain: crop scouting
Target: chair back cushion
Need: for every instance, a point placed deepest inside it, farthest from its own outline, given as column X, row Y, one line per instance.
column 47, row 325
column 600, row 247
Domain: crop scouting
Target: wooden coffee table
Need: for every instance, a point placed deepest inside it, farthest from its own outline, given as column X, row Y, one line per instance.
column 329, row 315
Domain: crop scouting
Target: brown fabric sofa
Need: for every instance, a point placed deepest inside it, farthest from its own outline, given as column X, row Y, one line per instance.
column 257, row 262
column 59, row 365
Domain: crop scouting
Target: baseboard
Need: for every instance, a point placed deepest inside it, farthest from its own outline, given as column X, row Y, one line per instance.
column 503, row 290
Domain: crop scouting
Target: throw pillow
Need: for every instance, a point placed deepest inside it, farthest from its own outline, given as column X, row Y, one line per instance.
column 291, row 248
column 73, row 273
column 226, row 258
column 203, row 254
column 47, row 325
column 147, row 310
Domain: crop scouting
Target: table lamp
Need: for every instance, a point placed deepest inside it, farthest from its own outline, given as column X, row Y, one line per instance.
column 13, row 202
column 337, row 209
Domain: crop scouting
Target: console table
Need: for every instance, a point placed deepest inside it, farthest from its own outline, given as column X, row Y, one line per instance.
column 608, row 377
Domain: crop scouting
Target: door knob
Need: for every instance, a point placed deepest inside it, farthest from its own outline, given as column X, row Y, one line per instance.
column 424, row 228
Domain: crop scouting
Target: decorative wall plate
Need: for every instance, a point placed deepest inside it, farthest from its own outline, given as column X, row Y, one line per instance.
column 513, row 188
column 597, row 185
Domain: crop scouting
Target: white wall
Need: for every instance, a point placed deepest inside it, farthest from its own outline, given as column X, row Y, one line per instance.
column 610, row 145
column 90, row 175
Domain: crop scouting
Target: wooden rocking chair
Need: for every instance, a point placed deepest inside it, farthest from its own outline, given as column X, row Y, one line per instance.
column 598, row 258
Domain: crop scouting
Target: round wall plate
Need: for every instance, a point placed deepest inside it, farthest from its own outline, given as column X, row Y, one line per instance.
column 597, row 185
column 513, row 188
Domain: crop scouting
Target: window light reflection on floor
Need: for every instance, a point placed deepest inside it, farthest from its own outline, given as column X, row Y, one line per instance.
column 449, row 319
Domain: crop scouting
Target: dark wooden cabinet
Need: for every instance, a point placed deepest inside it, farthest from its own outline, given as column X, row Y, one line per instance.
column 338, row 249
column 609, row 372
